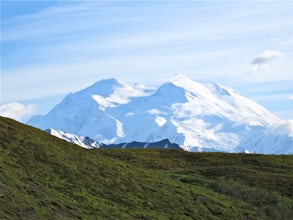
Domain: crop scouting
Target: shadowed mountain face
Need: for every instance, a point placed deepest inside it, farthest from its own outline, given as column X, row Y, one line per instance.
column 196, row 116
column 160, row 144
column 43, row 177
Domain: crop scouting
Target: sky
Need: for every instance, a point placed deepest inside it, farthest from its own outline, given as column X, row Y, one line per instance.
column 52, row 48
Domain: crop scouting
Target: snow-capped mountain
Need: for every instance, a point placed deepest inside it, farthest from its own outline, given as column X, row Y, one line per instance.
column 196, row 116
column 85, row 142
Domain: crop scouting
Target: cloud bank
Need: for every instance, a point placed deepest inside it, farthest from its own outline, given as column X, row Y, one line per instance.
column 16, row 110
column 262, row 61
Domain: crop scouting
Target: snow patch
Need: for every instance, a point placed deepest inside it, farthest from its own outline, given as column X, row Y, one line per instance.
column 129, row 114
column 119, row 129
column 82, row 141
column 103, row 103
column 160, row 121
column 248, row 152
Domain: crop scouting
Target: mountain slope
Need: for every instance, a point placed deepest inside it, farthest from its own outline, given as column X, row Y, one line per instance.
column 275, row 139
column 196, row 116
column 43, row 177
column 83, row 113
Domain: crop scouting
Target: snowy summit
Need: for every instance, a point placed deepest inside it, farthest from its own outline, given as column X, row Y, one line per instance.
column 198, row 117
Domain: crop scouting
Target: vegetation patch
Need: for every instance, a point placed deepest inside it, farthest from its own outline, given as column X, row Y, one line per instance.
column 42, row 177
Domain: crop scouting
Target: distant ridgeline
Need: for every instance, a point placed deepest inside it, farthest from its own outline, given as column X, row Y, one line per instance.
column 160, row 144
column 89, row 143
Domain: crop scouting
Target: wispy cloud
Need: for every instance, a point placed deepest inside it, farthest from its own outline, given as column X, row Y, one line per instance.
column 262, row 61
column 50, row 79
column 16, row 110
column 51, row 21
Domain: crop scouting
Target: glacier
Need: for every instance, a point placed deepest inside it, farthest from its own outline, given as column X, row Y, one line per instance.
column 198, row 117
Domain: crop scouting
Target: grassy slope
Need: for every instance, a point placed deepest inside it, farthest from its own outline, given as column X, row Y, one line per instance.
column 42, row 177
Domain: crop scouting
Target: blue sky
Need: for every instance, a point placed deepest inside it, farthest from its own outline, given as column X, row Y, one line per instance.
column 51, row 48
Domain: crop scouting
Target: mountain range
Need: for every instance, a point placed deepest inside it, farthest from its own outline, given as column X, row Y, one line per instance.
column 196, row 116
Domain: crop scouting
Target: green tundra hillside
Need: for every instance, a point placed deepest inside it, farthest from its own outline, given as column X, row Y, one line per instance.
column 42, row 177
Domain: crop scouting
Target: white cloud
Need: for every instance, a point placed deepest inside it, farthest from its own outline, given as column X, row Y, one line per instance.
column 262, row 61
column 16, row 110
column 291, row 97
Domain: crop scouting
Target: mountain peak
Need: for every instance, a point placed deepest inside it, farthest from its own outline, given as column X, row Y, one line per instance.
column 194, row 115
column 112, row 81
column 104, row 87
column 170, row 93
column 180, row 78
